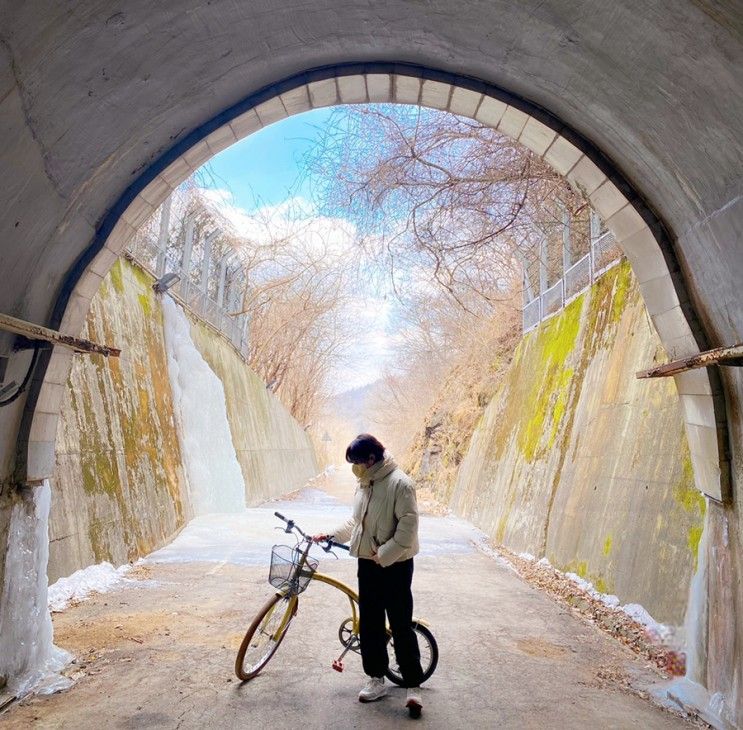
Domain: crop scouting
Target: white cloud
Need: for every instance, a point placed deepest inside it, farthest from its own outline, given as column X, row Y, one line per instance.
column 369, row 312
column 296, row 218
column 372, row 349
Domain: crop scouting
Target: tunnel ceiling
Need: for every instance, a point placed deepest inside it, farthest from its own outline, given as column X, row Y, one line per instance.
column 92, row 93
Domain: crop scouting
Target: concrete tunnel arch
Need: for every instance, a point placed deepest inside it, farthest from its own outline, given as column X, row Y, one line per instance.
column 637, row 229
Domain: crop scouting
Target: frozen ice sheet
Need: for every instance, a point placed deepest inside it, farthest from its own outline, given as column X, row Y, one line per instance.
column 246, row 538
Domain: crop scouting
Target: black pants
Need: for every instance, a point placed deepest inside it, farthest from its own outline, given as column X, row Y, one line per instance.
column 388, row 590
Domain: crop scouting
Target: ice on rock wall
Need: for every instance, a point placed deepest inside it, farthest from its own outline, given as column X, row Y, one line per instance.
column 215, row 479
column 690, row 691
column 696, row 614
column 28, row 658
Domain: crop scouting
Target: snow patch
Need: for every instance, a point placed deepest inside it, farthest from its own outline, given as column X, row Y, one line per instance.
column 606, row 598
column 99, row 578
column 638, row 613
column 634, row 610
column 483, row 547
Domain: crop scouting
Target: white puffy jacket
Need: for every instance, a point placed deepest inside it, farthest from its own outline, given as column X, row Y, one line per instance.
column 385, row 516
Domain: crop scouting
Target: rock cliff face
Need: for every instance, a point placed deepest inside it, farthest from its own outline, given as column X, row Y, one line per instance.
column 119, row 489
column 577, row 460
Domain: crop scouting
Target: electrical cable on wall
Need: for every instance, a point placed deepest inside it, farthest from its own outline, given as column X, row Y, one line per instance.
column 27, row 378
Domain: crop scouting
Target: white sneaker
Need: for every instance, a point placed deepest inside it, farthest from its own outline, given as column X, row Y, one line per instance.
column 414, row 703
column 374, row 689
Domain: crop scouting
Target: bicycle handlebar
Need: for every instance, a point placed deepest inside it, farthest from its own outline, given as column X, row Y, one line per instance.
column 333, row 544
column 329, row 543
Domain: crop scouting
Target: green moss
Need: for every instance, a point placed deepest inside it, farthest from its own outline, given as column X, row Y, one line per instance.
column 98, row 543
column 609, row 296
column 607, row 546
column 561, row 401
column 550, row 391
column 140, row 275
column 695, row 537
column 579, row 567
column 692, row 501
column 100, row 472
column 622, row 287
column 146, row 304
column 689, row 498
column 117, row 276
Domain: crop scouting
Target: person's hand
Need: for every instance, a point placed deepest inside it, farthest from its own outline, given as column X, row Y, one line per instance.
column 375, row 558
column 320, row 538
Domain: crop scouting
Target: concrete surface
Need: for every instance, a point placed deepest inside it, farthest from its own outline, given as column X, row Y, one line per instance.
column 577, row 460
column 161, row 655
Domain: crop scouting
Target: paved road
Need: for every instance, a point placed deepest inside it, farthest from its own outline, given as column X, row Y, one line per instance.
column 161, row 655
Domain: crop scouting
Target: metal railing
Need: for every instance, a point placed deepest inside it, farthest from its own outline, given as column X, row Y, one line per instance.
column 532, row 314
column 602, row 255
column 148, row 254
column 553, row 299
column 577, row 277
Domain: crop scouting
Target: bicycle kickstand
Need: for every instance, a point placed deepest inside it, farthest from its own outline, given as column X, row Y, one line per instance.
column 338, row 663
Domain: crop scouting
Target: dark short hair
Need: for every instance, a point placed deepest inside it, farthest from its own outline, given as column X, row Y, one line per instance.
column 362, row 447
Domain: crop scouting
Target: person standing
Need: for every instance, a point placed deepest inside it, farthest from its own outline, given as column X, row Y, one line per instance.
column 383, row 535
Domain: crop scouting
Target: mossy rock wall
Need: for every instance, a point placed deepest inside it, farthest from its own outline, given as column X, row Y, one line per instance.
column 119, row 489
column 577, row 460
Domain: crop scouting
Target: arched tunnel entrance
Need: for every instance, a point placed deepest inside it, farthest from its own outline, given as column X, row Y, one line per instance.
column 637, row 230
column 663, row 248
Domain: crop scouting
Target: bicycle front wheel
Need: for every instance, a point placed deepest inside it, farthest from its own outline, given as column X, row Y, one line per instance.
column 429, row 651
column 264, row 635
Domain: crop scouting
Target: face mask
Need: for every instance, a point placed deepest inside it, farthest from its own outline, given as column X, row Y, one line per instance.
column 358, row 470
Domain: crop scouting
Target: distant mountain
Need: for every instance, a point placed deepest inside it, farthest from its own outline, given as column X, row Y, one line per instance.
column 351, row 406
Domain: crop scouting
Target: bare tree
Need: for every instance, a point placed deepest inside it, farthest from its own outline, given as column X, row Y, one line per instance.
column 432, row 191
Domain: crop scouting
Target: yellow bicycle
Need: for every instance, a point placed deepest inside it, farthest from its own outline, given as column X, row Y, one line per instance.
column 292, row 569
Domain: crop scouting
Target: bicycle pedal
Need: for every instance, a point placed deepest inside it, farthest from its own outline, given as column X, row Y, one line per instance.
column 338, row 665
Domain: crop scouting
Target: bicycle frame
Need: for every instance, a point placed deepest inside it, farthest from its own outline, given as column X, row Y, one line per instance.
column 350, row 593
column 353, row 597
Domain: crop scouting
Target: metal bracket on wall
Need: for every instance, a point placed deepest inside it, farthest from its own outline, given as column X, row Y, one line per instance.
column 729, row 356
column 37, row 332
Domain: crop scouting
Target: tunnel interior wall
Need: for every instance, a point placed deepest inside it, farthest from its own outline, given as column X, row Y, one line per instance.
column 119, row 489
column 577, row 460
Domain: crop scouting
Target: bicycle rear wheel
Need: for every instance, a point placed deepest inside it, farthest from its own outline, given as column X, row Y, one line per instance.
column 264, row 635
column 429, row 650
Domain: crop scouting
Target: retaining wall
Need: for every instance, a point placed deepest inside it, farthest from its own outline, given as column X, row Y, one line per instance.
column 577, row 460
column 119, row 490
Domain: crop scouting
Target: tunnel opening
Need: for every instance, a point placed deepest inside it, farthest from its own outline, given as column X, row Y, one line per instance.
column 635, row 228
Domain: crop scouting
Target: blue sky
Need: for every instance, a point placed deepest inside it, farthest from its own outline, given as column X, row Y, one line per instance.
column 263, row 168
